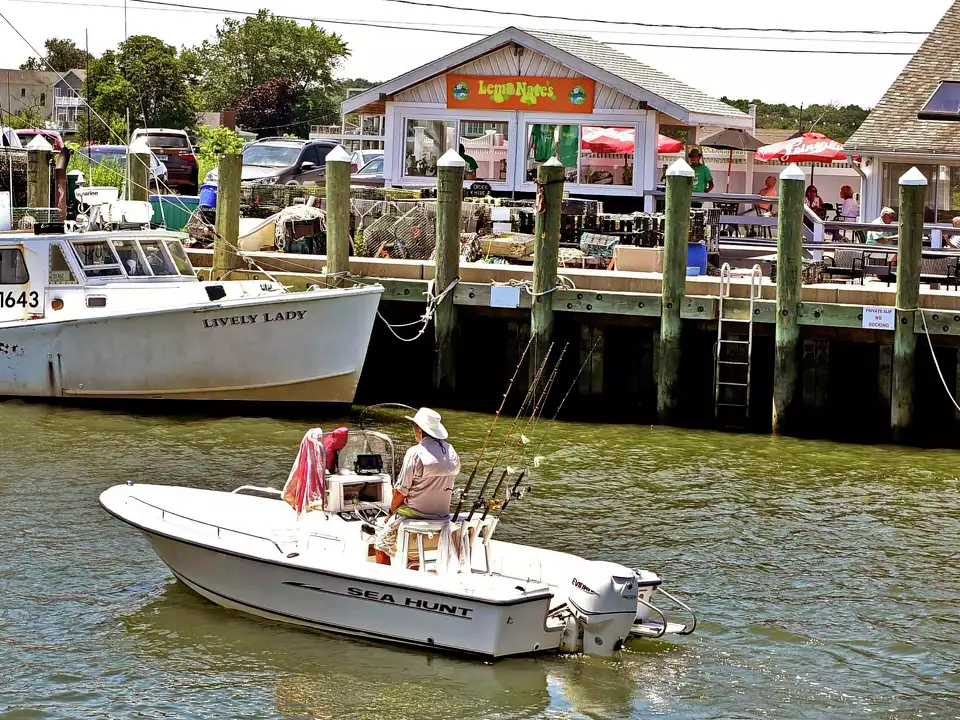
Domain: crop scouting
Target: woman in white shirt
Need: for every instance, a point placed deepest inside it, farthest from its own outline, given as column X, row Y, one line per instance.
column 850, row 210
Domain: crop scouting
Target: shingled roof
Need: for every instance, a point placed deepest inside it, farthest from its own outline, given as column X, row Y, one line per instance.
column 893, row 126
column 613, row 61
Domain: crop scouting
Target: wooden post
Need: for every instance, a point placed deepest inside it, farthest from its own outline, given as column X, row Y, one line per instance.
column 138, row 171
column 546, row 249
column 913, row 188
column 38, row 175
column 675, row 239
column 786, row 362
column 450, row 171
column 338, row 212
column 226, row 243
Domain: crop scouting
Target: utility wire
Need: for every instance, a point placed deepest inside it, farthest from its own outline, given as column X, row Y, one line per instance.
column 387, row 26
column 540, row 16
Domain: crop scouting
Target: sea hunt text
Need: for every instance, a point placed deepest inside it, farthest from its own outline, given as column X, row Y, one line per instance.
column 418, row 603
column 254, row 319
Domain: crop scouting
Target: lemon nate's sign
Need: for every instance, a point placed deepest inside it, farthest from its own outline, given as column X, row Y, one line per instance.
column 510, row 92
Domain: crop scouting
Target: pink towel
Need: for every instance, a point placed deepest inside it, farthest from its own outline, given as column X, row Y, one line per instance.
column 305, row 485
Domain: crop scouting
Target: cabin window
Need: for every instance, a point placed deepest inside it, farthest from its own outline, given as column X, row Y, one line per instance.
column 97, row 259
column 131, row 258
column 545, row 141
column 13, row 270
column 425, row 142
column 944, row 104
column 891, row 187
column 180, row 258
column 488, row 145
column 606, row 155
column 159, row 262
column 60, row 271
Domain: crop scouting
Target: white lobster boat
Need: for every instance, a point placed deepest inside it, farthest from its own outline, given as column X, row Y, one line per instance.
column 251, row 552
column 122, row 315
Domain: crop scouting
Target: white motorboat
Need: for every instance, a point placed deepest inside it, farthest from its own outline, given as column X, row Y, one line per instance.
column 250, row 551
column 122, row 315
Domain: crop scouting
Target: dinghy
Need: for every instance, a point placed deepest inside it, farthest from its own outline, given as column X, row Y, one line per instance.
column 122, row 315
column 451, row 586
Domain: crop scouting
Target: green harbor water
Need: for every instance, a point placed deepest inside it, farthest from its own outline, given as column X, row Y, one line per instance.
column 826, row 578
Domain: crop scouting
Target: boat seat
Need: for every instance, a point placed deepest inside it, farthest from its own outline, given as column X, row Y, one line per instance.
column 419, row 541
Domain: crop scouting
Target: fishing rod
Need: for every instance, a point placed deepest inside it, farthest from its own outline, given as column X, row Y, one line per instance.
column 532, row 421
column 515, row 494
column 473, row 473
column 569, row 390
column 523, row 406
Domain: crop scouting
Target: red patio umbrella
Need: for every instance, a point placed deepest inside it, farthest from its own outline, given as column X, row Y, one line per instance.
column 811, row 147
column 621, row 140
column 667, row 145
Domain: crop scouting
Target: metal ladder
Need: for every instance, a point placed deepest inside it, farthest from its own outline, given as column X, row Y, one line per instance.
column 732, row 354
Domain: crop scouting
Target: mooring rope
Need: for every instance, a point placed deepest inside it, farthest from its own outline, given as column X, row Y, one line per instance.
column 936, row 363
column 432, row 303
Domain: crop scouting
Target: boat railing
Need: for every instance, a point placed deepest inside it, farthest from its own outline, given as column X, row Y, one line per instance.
column 219, row 528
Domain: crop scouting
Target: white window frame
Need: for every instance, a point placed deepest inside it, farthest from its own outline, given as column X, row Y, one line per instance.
column 633, row 118
column 418, row 111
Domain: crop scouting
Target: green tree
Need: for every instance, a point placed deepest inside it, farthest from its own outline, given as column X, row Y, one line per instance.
column 26, row 117
column 247, row 54
column 834, row 121
column 62, row 54
column 145, row 77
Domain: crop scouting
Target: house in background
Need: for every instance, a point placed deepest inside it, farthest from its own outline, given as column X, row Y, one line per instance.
column 917, row 123
column 57, row 99
column 516, row 98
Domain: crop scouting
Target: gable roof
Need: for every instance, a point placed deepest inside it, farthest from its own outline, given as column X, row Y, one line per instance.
column 588, row 57
column 893, row 126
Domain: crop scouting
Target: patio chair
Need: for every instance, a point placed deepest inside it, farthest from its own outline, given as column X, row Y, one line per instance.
column 845, row 263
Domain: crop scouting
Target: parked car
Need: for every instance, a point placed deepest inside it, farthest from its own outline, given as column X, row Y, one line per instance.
column 370, row 174
column 116, row 155
column 359, row 158
column 174, row 150
column 282, row 161
column 51, row 136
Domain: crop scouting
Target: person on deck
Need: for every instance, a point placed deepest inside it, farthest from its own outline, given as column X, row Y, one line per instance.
column 887, row 216
column 813, row 200
column 850, row 208
column 425, row 484
column 703, row 180
column 769, row 189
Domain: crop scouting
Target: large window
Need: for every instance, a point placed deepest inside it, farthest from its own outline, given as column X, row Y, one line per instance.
column 591, row 154
column 13, row 270
column 60, row 272
column 942, row 198
column 486, row 147
column 425, row 141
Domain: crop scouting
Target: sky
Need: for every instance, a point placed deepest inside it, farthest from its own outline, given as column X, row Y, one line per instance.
column 380, row 54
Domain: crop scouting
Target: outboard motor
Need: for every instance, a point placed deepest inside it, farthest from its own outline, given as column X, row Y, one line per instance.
column 603, row 602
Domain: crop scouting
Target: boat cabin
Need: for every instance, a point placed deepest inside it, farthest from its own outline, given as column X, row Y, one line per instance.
column 66, row 275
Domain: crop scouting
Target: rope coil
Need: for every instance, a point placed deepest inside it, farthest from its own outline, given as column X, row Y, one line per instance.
column 432, row 303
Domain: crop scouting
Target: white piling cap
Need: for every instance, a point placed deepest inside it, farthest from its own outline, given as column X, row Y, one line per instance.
column 680, row 168
column 39, row 142
column 451, row 158
column 913, row 177
column 792, row 172
column 140, row 147
column 553, row 162
column 338, row 154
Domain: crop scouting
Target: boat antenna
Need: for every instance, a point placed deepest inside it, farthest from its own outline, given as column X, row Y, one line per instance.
column 536, row 462
column 531, row 422
column 531, row 392
column 503, row 402
column 86, row 74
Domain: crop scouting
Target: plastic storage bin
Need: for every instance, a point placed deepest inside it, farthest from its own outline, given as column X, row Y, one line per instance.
column 208, row 196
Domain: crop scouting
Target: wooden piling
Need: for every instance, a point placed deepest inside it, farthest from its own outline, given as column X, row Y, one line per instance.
column 786, row 363
column 913, row 188
column 226, row 244
column 338, row 212
column 675, row 238
column 38, row 178
column 138, row 171
column 450, row 170
column 546, row 250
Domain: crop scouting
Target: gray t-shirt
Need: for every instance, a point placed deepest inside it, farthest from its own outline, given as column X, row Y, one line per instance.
column 427, row 476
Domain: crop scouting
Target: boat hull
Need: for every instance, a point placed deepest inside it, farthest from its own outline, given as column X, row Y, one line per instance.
column 338, row 602
column 295, row 347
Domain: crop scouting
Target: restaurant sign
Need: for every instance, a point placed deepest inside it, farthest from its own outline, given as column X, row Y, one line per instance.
column 511, row 92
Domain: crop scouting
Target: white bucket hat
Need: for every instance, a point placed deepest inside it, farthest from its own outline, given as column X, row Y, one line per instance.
column 429, row 421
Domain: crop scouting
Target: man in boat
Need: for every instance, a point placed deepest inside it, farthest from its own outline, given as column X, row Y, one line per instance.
column 425, row 484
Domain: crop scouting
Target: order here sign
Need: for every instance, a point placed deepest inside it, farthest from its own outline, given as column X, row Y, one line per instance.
column 513, row 92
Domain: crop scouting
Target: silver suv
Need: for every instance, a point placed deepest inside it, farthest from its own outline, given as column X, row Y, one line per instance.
column 282, row 161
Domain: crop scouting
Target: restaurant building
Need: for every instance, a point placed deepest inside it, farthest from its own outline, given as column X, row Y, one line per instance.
column 512, row 100
column 917, row 123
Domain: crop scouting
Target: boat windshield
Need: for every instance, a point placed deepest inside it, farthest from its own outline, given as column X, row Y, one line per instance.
column 135, row 258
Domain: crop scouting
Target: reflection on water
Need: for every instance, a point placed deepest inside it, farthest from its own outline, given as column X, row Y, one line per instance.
column 825, row 576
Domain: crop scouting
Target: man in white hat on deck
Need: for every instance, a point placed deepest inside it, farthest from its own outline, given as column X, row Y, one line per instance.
column 425, row 485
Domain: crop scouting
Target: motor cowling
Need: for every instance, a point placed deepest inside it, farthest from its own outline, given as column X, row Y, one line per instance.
column 603, row 600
